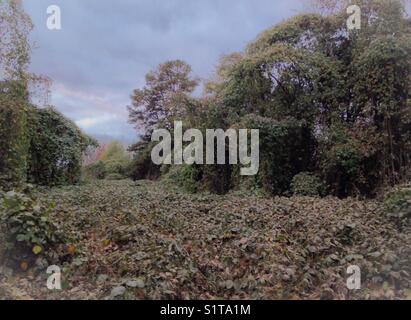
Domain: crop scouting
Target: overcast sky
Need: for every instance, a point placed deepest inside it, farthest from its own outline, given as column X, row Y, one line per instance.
column 106, row 47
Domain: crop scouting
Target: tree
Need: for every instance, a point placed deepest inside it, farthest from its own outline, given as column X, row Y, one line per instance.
column 114, row 151
column 222, row 74
column 15, row 26
column 351, row 87
column 13, row 133
column 116, row 160
column 56, row 148
column 112, row 161
column 160, row 101
column 328, row 101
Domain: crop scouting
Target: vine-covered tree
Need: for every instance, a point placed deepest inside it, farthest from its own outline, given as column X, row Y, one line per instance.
column 15, row 48
column 56, row 148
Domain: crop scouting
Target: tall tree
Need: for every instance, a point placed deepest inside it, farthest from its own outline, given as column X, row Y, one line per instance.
column 160, row 102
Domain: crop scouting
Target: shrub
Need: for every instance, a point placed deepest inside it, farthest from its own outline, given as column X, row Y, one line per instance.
column 218, row 178
column 350, row 160
column 397, row 204
column 114, row 162
column 25, row 221
column 186, row 177
column 95, row 171
column 286, row 148
column 307, row 184
column 142, row 167
column 117, row 166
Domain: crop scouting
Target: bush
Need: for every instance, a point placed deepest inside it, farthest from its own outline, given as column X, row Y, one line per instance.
column 142, row 167
column 113, row 163
column 286, row 148
column 56, row 148
column 119, row 167
column 13, row 134
column 95, row 171
column 186, row 177
column 25, row 222
column 397, row 205
column 350, row 160
column 109, row 170
column 307, row 184
column 218, row 178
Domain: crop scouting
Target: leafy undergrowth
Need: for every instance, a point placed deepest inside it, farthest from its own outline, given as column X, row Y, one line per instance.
column 145, row 240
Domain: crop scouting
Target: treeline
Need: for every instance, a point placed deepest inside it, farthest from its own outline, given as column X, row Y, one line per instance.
column 107, row 162
column 332, row 106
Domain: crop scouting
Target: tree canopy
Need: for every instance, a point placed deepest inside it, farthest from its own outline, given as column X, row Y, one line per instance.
column 347, row 90
column 159, row 102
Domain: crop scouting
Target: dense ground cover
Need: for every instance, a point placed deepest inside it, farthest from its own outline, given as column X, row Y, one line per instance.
column 147, row 240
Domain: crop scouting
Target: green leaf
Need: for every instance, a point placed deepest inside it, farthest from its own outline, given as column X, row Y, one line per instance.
column 21, row 237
